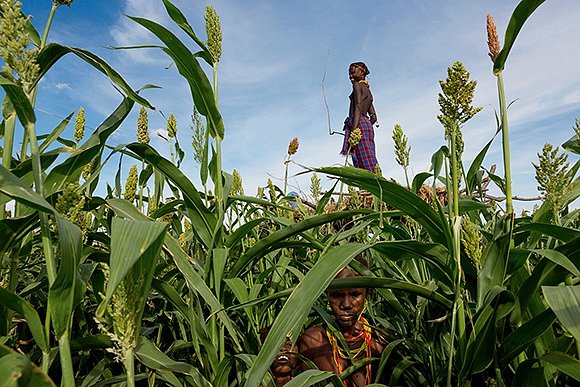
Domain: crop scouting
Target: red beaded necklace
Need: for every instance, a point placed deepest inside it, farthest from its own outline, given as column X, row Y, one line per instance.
column 338, row 353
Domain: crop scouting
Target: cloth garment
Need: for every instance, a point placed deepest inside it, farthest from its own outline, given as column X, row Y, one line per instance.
column 364, row 154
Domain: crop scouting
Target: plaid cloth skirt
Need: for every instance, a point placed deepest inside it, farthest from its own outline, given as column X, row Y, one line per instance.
column 363, row 155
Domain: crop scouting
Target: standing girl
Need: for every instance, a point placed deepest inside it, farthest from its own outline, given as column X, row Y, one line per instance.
column 362, row 116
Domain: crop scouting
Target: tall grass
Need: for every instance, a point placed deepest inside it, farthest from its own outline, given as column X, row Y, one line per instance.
column 465, row 294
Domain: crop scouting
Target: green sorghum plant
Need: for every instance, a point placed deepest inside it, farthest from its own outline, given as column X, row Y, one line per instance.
column 68, row 198
column 237, row 185
column 494, row 45
column 143, row 126
column 552, row 175
column 402, row 149
column 198, row 136
column 131, row 184
column 272, row 191
column 80, row 125
column 576, row 127
column 213, row 30
column 13, row 43
column 292, row 149
column 472, row 240
column 315, row 187
column 171, row 126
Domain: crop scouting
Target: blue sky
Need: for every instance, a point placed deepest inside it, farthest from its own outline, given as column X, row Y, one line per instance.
column 274, row 57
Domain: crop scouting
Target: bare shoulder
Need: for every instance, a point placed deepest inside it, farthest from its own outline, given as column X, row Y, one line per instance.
column 313, row 337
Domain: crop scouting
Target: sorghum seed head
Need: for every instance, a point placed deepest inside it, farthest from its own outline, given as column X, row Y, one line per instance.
column 80, row 125
column 492, row 38
column 131, row 184
column 87, row 170
column 293, row 146
column 237, row 186
column 13, row 42
column 171, row 126
column 143, row 126
column 355, row 137
column 63, row 2
column 213, row 30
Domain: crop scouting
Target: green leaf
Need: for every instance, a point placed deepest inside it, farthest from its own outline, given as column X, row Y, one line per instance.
column 565, row 234
column 153, row 358
column 573, row 144
column 522, row 12
column 61, row 294
column 529, row 376
column 522, row 337
column 23, row 307
column 135, row 245
column 494, row 267
column 181, row 21
column 54, row 134
column 71, row 169
column 202, row 219
column 565, row 302
column 20, row 102
column 269, row 243
column 52, row 52
column 476, row 165
column 297, row 307
column 13, row 187
column 564, row 362
column 311, row 377
column 189, row 68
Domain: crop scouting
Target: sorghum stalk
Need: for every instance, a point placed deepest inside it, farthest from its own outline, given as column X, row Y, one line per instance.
column 129, row 360
column 494, row 49
column 506, row 146
column 292, row 149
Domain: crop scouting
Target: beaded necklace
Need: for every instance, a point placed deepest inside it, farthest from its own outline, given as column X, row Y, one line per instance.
column 338, row 353
column 364, row 82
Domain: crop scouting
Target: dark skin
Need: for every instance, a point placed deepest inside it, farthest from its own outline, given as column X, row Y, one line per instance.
column 361, row 99
column 347, row 305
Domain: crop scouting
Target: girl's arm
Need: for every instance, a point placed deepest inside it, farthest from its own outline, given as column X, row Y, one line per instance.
column 372, row 114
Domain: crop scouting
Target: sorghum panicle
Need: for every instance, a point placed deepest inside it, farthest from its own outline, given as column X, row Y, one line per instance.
column 171, row 126
column 237, row 187
column 198, row 136
column 315, row 187
column 143, row 126
column 13, row 42
column 80, row 125
column 87, row 170
column 293, row 146
column 213, row 30
column 131, row 184
column 471, row 239
column 492, row 38
column 355, row 137
column 552, row 175
column 402, row 150
column 63, row 2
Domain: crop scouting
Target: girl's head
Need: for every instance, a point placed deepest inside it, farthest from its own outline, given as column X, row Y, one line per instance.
column 363, row 67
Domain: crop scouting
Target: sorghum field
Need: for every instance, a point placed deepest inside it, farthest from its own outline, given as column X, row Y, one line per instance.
column 154, row 281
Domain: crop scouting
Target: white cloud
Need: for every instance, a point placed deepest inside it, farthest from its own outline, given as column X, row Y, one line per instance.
column 62, row 86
